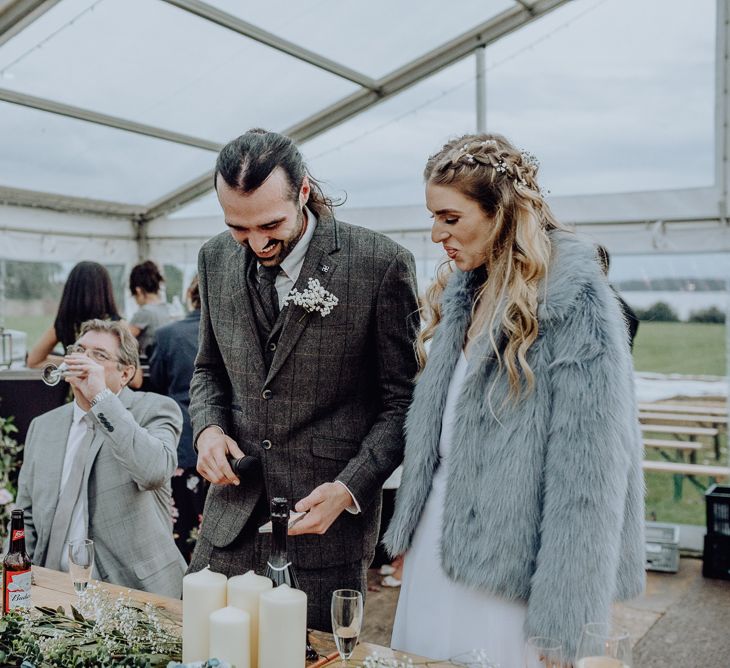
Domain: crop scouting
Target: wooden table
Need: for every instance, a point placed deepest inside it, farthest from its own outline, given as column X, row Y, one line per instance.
column 53, row 588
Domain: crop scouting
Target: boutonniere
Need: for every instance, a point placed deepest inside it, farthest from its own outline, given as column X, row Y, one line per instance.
column 314, row 298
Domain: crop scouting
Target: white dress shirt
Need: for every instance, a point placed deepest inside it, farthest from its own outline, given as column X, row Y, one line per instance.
column 291, row 267
column 77, row 527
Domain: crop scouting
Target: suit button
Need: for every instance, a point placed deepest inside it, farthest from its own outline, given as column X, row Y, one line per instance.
column 272, row 346
column 266, row 394
column 266, row 444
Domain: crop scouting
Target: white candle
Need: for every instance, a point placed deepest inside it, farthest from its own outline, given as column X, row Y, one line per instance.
column 282, row 628
column 243, row 593
column 203, row 592
column 230, row 636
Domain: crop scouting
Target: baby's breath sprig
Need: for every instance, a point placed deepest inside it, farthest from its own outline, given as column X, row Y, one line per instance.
column 314, row 298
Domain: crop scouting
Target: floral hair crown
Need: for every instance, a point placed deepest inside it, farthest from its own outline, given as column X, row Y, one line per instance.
column 528, row 160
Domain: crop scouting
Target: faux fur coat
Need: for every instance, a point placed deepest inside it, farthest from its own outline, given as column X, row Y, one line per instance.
column 545, row 497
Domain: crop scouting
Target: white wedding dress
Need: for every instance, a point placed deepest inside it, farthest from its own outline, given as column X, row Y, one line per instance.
column 436, row 617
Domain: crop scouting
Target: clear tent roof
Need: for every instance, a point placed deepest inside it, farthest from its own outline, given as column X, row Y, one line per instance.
column 125, row 102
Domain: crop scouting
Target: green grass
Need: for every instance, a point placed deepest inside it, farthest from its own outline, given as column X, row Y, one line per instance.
column 33, row 325
column 680, row 347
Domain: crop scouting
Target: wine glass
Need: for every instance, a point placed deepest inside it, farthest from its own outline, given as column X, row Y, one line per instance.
column 542, row 652
column 80, row 563
column 601, row 647
column 346, row 621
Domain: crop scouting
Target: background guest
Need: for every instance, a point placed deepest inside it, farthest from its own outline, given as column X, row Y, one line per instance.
column 87, row 294
column 100, row 468
column 145, row 283
column 632, row 320
column 171, row 370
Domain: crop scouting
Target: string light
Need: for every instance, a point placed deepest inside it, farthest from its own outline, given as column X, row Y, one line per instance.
column 9, row 75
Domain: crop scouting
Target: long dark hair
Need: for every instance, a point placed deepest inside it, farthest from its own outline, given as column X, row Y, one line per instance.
column 246, row 162
column 87, row 294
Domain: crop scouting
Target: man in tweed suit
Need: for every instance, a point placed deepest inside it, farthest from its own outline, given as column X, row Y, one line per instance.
column 100, row 468
column 319, row 399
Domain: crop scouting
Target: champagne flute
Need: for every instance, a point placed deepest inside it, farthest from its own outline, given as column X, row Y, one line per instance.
column 542, row 652
column 80, row 563
column 601, row 647
column 347, row 612
column 52, row 373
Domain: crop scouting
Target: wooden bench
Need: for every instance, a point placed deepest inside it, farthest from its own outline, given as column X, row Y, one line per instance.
column 685, row 417
column 679, row 430
column 672, row 444
column 682, row 408
column 680, row 470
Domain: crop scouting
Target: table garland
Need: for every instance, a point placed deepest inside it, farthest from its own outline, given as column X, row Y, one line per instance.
column 102, row 631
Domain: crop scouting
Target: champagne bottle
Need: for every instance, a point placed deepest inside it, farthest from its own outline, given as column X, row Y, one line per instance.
column 278, row 567
column 16, row 567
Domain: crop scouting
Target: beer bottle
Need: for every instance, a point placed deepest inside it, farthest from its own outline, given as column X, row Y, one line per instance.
column 16, row 567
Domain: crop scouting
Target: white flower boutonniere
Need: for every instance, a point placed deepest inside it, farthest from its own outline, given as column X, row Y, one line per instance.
column 314, row 298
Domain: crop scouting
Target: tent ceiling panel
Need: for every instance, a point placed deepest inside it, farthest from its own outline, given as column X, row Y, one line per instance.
column 53, row 154
column 373, row 37
column 193, row 77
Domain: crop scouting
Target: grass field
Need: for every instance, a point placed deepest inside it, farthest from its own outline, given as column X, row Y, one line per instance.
column 680, row 347
column 666, row 347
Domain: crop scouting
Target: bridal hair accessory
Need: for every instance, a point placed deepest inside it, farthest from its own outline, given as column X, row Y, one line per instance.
column 314, row 298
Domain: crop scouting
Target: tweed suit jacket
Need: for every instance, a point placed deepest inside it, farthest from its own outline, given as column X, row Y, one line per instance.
column 127, row 479
column 331, row 405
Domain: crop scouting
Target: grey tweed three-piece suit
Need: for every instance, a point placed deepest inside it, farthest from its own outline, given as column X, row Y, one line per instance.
column 321, row 399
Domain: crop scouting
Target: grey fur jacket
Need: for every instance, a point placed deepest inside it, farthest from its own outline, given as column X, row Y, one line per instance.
column 545, row 497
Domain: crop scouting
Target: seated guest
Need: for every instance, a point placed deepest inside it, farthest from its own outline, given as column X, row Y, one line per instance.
column 111, row 454
column 87, row 294
column 171, row 370
column 145, row 283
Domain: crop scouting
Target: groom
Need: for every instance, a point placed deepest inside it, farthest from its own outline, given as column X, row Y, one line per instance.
column 318, row 397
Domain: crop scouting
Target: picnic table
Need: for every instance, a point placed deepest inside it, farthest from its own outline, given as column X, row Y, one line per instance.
column 53, row 588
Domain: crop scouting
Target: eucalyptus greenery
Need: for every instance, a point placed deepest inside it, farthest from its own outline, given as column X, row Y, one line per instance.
column 102, row 632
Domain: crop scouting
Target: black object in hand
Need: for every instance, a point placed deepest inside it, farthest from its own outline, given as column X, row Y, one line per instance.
column 245, row 466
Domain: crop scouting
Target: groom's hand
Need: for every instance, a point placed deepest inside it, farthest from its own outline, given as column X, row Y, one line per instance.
column 213, row 446
column 323, row 506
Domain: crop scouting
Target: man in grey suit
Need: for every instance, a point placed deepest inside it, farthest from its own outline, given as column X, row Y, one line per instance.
column 318, row 394
column 100, row 468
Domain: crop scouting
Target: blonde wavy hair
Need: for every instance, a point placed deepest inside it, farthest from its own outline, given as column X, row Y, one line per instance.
column 488, row 169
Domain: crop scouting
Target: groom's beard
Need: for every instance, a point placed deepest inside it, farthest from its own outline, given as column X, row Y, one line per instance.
column 285, row 245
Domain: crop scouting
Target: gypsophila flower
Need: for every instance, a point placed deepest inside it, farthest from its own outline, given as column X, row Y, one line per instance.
column 314, row 298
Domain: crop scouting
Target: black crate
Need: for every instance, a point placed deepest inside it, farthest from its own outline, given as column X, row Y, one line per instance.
column 717, row 499
column 716, row 557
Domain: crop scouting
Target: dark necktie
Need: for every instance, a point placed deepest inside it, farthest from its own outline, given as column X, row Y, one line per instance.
column 267, row 292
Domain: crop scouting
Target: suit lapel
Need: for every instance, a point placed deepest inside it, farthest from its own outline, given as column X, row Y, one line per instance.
column 318, row 263
column 53, row 462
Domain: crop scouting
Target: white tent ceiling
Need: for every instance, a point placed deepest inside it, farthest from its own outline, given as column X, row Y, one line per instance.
column 111, row 111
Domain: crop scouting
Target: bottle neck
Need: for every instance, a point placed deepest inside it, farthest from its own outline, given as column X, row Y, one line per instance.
column 279, row 529
column 17, row 535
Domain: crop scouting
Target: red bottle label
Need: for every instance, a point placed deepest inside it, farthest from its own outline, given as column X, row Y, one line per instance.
column 18, row 533
column 17, row 590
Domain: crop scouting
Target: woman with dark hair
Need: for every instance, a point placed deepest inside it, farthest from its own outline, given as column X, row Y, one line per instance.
column 87, row 295
column 520, row 511
column 145, row 282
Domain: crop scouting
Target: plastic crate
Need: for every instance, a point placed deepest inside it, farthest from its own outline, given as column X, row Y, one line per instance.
column 716, row 557
column 717, row 500
column 662, row 547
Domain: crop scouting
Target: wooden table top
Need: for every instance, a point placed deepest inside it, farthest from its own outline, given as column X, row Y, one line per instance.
column 53, row 588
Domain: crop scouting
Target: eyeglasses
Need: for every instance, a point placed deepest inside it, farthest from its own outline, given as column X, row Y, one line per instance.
column 96, row 354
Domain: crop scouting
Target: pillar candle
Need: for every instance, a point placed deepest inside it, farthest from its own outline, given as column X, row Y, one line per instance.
column 230, row 636
column 203, row 592
column 282, row 628
column 243, row 593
